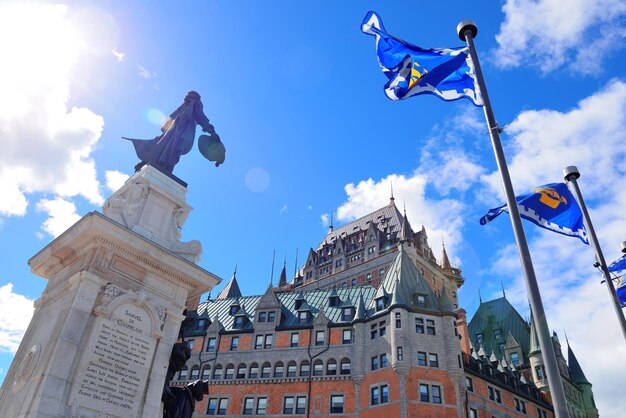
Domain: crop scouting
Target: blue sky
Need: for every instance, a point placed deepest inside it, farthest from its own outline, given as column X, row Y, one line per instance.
column 296, row 94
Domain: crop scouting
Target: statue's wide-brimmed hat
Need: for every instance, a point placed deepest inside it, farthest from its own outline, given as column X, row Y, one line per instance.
column 212, row 148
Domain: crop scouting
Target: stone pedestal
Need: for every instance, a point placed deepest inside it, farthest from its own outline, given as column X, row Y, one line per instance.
column 103, row 330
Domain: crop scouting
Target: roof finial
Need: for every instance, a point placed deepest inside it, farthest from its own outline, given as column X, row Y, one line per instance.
column 391, row 199
column 503, row 292
column 331, row 227
column 272, row 275
column 295, row 265
column 480, row 298
column 235, row 271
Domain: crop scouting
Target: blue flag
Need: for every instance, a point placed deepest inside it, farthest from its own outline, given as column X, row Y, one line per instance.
column 620, row 289
column 618, row 265
column 447, row 73
column 551, row 206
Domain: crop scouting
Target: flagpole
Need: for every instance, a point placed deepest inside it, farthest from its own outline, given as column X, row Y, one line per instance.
column 571, row 174
column 467, row 30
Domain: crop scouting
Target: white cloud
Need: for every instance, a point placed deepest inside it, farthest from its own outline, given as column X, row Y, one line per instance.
column 62, row 214
column 443, row 218
column 325, row 219
column 115, row 179
column 15, row 316
column 284, row 209
column 143, row 72
column 119, row 56
column 46, row 147
column 549, row 33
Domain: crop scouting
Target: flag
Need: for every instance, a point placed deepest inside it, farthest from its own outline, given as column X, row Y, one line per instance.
column 551, row 206
column 447, row 73
column 618, row 265
column 620, row 289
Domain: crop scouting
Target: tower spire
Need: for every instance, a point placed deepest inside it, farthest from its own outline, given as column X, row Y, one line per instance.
column 503, row 292
column 331, row 227
column 272, row 275
column 445, row 261
column 391, row 199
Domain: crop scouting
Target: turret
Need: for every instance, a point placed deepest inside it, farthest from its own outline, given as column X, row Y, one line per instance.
column 537, row 367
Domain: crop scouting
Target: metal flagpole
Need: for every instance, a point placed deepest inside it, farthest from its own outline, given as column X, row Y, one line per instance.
column 571, row 174
column 467, row 31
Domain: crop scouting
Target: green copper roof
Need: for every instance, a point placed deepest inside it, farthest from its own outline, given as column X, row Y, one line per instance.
column 494, row 316
column 574, row 367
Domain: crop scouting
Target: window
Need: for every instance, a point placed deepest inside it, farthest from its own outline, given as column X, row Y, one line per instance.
column 473, row 413
column 539, row 372
column 336, row 404
column 211, row 408
column 261, row 406
column 217, row 373
column 381, row 272
column 248, row 406
column 379, row 394
column 320, row 337
column 520, row 406
column 374, row 363
column 318, row 368
column 419, row 325
column 234, row 343
column 211, row 344
column 368, row 277
column 346, row 314
column 294, row 405
column 331, row 367
column 303, row 317
column 269, row 340
column 494, row 394
column 338, row 263
column 432, row 360
column 383, row 360
column 258, row 342
column 497, row 333
column 291, row 369
column 399, row 353
column 266, row 370
column 430, row 327
column 541, row 413
column 234, row 309
column 206, row 373
column 371, row 250
column 347, row 336
column 295, row 339
column 241, row 371
column 271, row 316
column 469, row 384
column 230, row 372
column 515, row 358
column 424, row 393
column 421, row 358
column 435, row 394
column 183, row 373
column 222, row 406
column 377, row 330
column 305, row 368
column 398, row 320
column 279, row 369
column 254, row 371
column 421, row 300
column 238, row 322
column 195, row 372
column 353, row 282
column 345, row 366
column 262, row 316
column 380, row 304
column 479, row 339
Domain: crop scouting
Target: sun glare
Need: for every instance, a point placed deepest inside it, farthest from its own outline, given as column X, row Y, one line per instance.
column 39, row 48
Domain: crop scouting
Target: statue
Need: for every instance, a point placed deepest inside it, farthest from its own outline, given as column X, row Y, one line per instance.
column 186, row 398
column 178, row 133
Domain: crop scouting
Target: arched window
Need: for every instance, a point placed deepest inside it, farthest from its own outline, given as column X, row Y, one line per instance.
column 345, row 366
column 279, row 369
column 318, row 368
column 253, row 373
column 206, row 372
column 183, row 373
column 230, row 371
column 331, row 367
column 305, row 368
column 195, row 373
column 241, row 371
column 266, row 370
column 291, row 369
column 217, row 372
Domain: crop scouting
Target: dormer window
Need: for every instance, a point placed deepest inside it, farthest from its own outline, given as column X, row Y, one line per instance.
column 479, row 339
column 496, row 333
column 303, row 317
column 347, row 314
column 234, row 309
column 421, row 301
column 262, row 316
column 271, row 316
column 380, row 304
column 200, row 324
column 238, row 322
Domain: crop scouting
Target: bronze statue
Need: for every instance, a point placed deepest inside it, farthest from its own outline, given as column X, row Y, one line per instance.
column 186, row 398
column 178, row 133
